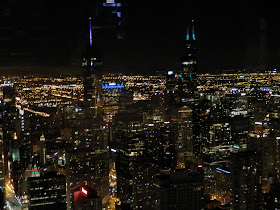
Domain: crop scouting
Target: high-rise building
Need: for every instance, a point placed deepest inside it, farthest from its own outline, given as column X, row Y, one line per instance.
column 91, row 74
column 112, row 94
column 86, row 198
column 189, row 60
column 42, row 150
column 110, row 15
column 130, row 145
column 138, row 157
column 87, row 167
column 10, row 145
column 246, row 186
column 272, row 198
column 180, row 190
column 184, row 140
column 47, row 191
column 2, row 150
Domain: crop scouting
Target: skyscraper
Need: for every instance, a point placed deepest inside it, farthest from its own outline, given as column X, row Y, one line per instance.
column 86, row 198
column 42, row 150
column 47, row 191
column 246, row 189
column 189, row 60
column 91, row 73
column 180, row 190
column 86, row 167
column 9, row 139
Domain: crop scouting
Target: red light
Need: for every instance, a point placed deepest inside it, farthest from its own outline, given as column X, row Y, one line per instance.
column 199, row 166
column 84, row 191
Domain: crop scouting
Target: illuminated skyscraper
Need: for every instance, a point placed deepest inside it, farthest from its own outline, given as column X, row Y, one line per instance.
column 9, row 117
column 86, row 198
column 246, row 187
column 189, row 61
column 89, row 164
column 91, row 73
column 47, row 191
column 85, row 167
column 111, row 16
column 42, row 150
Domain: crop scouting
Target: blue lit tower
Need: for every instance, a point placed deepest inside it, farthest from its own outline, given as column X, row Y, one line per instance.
column 91, row 73
column 112, row 15
column 189, row 61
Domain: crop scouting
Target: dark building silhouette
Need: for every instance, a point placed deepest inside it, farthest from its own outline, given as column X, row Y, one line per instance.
column 272, row 198
column 2, row 201
column 180, row 190
column 86, row 198
column 130, row 147
column 87, row 167
column 91, row 73
column 10, row 141
column 47, row 191
column 246, row 186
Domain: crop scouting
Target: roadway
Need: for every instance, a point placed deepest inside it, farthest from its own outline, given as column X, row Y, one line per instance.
column 12, row 202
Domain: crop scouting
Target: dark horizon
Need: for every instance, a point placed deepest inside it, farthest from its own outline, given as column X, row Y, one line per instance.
column 229, row 35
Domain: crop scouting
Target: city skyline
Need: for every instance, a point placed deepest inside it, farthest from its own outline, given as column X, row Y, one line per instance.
column 118, row 105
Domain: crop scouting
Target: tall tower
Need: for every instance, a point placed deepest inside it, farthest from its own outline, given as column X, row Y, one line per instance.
column 42, row 150
column 91, row 73
column 9, row 116
column 180, row 189
column 263, row 50
column 189, row 61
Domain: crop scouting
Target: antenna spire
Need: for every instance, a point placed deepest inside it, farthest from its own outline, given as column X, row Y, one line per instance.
column 188, row 35
column 193, row 34
column 90, row 32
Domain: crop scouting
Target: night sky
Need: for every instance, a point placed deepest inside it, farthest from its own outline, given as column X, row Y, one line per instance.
column 228, row 32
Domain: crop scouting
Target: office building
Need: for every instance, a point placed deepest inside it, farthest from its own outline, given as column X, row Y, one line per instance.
column 47, row 191
column 42, row 150
column 91, row 73
column 87, row 167
column 246, row 185
column 180, row 189
column 86, row 198
column 189, row 61
column 10, row 146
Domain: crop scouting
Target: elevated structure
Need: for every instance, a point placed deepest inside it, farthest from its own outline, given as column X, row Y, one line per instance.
column 189, row 60
column 86, row 198
column 91, row 73
column 42, row 150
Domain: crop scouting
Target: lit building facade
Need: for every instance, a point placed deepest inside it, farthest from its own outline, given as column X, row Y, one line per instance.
column 86, row 198
column 47, row 191
column 85, row 167
column 189, row 61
